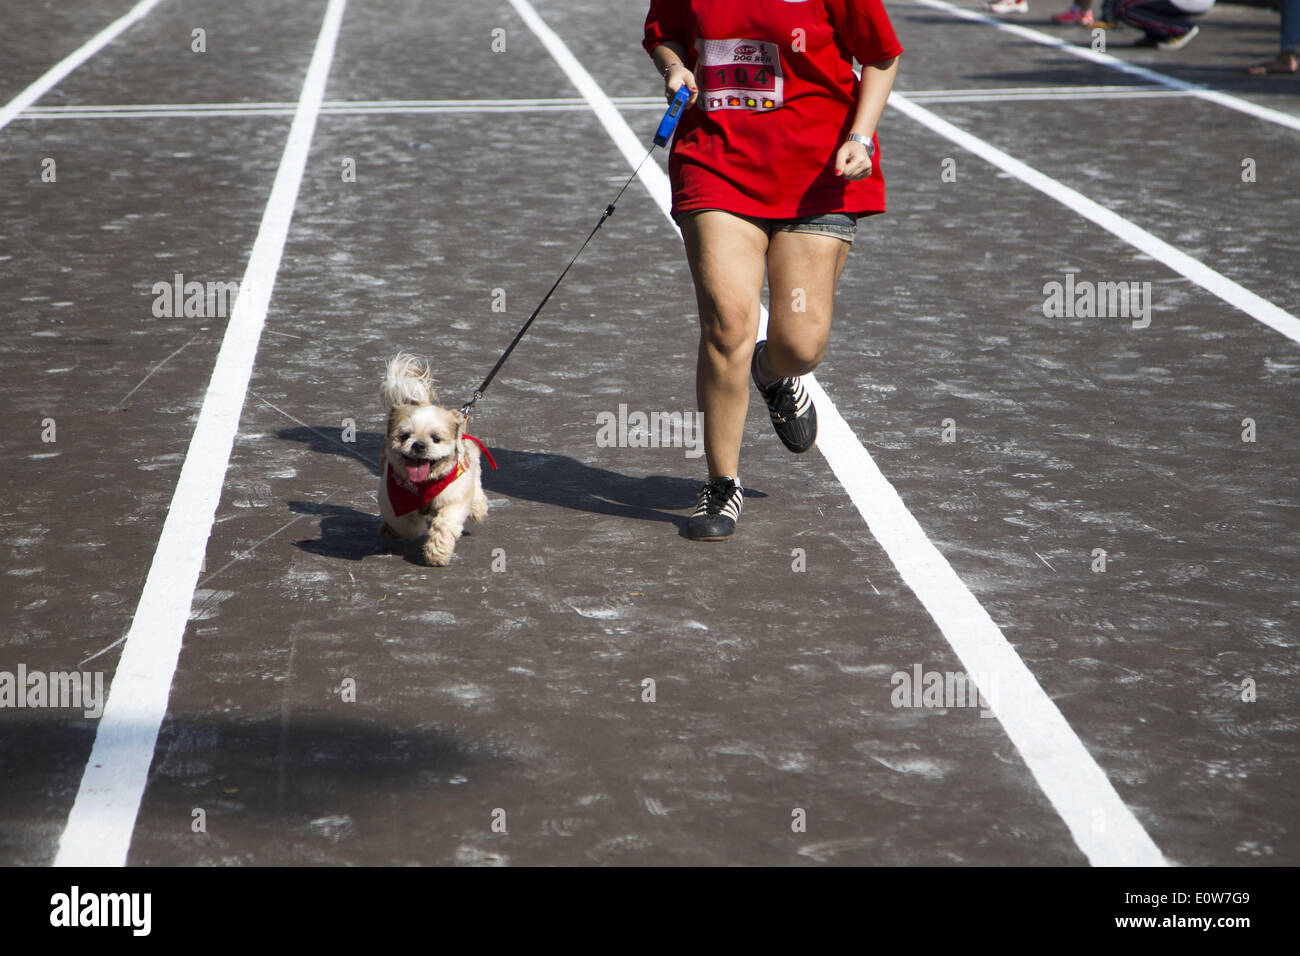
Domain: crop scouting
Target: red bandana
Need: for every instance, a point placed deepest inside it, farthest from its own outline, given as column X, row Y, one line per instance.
column 405, row 495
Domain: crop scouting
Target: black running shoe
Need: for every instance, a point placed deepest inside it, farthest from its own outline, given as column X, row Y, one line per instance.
column 716, row 510
column 793, row 414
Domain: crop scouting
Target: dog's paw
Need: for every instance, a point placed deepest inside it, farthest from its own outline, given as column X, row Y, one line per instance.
column 439, row 546
column 479, row 509
column 444, row 531
column 436, row 559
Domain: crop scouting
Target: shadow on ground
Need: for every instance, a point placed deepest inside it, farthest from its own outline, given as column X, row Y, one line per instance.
column 557, row 480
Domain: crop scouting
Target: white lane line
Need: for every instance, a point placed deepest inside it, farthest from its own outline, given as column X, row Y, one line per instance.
column 629, row 144
column 557, row 104
column 1081, row 89
column 474, row 108
column 1102, row 826
column 332, row 108
column 1083, row 93
column 158, row 107
column 162, row 111
column 103, row 817
column 1115, row 63
column 55, row 74
column 171, row 114
column 536, row 105
column 328, row 105
column 621, row 101
column 1214, row 282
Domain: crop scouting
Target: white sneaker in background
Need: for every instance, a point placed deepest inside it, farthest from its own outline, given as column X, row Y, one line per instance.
column 1177, row 43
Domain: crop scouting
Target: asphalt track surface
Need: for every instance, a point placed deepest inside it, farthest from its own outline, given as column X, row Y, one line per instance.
column 508, row 687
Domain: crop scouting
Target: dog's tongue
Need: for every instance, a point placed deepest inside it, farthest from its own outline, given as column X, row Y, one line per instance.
column 418, row 471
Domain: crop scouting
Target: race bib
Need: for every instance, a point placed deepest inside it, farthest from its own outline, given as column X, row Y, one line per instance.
column 739, row 75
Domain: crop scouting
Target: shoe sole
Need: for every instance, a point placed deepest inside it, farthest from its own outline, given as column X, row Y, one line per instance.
column 811, row 407
column 1181, row 41
column 710, row 537
column 811, row 444
column 799, row 451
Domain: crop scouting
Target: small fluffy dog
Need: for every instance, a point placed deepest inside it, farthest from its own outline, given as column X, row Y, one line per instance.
column 430, row 479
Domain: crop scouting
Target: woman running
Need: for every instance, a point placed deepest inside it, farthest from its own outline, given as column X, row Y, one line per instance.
column 774, row 162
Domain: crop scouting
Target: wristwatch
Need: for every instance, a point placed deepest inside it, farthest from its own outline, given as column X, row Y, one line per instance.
column 865, row 141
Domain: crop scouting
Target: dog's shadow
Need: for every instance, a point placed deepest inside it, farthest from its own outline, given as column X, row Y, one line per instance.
column 549, row 479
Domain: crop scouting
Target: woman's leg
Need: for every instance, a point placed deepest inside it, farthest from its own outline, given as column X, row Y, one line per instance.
column 1285, row 61
column 803, row 271
column 726, row 255
column 1291, row 26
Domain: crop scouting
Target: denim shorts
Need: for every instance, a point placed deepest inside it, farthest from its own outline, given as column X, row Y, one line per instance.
column 839, row 225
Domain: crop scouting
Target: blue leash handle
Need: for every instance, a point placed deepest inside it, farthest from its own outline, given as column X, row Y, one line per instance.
column 669, row 122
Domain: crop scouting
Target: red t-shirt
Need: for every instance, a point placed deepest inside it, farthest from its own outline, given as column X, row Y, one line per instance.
column 777, row 95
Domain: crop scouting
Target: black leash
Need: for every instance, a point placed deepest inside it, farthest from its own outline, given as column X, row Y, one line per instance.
column 666, row 126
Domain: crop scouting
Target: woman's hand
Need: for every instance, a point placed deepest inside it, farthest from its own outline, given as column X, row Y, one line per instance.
column 675, row 78
column 852, row 161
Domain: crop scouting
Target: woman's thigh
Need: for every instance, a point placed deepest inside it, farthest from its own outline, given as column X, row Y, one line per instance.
column 803, row 270
column 726, row 254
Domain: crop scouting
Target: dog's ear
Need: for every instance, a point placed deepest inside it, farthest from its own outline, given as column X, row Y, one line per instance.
column 388, row 437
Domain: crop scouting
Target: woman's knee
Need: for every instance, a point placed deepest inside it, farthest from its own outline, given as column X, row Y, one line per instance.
column 728, row 329
column 790, row 355
column 799, row 336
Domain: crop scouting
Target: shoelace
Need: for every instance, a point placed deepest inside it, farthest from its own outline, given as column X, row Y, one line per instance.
column 784, row 404
column 714, row 497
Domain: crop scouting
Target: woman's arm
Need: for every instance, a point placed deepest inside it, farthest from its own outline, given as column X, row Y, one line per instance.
column 852, row 161
column 670, row 59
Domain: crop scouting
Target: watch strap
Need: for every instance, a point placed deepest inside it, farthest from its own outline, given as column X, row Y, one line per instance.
column 865, row 141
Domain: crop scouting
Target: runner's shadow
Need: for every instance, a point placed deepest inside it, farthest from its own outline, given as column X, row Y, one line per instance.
column 353, row 535
column 323, row 440
column 345, row 532
column 568, row 483
column 550, row 479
